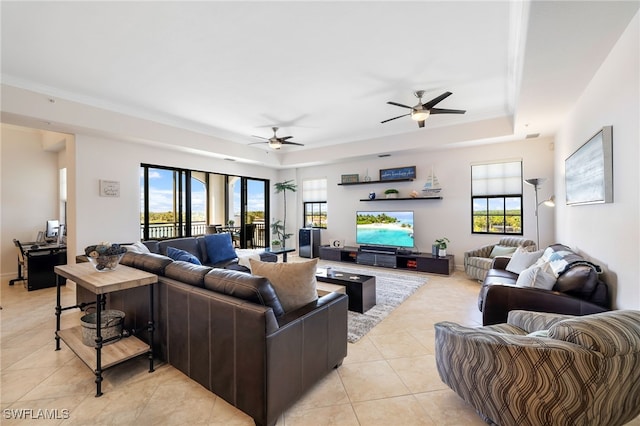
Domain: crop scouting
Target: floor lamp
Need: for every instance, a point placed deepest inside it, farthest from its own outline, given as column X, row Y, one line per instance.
column 536, row 182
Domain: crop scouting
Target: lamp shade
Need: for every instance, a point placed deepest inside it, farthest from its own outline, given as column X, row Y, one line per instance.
column 420, row 114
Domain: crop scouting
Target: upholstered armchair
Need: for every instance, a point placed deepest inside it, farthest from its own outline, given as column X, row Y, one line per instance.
column 585, row 372
column 478, row 261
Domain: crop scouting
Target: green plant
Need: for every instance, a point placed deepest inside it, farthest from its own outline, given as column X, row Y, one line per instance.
column 283, row 187
column 442, row 242
column 277, row 229
column 231, row 222
column 391, row 191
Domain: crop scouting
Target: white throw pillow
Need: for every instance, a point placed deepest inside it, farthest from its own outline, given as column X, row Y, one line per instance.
column 537, row 276
column 295, row 283
column 137, row 247
column 522, row 259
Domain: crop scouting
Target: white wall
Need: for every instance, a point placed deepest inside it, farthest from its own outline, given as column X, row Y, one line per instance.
column 29, row 191
column 450, row 217
column 117, row 219
column 609, row 233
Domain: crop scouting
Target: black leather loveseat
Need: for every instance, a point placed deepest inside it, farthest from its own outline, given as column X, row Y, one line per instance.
column 228, row 331
column 578, row 290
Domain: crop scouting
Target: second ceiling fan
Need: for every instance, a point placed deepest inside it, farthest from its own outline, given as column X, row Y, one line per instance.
column 275, row 142
column 422, row 111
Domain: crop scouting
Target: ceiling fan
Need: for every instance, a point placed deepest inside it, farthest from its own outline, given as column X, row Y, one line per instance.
column 421, row 112
column 275, row 142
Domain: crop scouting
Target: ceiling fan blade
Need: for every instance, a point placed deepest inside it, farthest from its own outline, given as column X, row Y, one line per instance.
column 400, row 105
column 446, row 111
column 266, row 139
column 285, row 138
column 256, row 143
column 421, row 123
column 434, row 101
column 404, row 115
column 291, row 143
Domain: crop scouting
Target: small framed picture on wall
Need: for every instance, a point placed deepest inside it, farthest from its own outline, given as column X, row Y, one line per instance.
column 109, row 188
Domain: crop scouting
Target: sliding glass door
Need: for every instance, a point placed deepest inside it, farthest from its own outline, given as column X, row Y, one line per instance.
column 182, row 203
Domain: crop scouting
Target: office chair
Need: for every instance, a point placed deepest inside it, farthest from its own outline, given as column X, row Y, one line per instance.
column 22, row 264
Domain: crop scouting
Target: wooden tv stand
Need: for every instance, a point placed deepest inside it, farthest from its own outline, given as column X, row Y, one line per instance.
column 422, row 262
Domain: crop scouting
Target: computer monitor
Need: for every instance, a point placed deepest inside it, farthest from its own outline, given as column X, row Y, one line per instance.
column 53, row 227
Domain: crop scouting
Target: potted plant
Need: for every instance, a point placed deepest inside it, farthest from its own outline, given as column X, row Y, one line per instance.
column 442, row 246
column 283, row 187
column 277, row 229
column 391, row 193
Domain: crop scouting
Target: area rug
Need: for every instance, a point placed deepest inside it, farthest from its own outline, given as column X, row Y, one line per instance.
column 392, row 288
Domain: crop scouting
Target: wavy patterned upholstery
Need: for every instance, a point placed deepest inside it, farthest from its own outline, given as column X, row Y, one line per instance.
column 477, row 262
column 587, row 372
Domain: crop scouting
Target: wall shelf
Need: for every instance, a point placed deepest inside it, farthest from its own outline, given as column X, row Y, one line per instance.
column 377, row 181
column 402, row 199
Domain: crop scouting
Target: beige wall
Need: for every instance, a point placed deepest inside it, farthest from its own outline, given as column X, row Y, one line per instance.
column 29, row 191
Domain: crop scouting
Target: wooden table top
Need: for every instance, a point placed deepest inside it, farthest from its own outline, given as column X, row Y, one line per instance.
column 121, row 278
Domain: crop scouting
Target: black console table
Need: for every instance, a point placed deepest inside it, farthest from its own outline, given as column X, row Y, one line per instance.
column 422, row 262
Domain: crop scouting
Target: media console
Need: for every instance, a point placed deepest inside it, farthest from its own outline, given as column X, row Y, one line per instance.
column 389, row 258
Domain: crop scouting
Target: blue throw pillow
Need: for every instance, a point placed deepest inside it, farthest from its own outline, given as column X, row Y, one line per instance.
column 219, row 248
column 177, row 254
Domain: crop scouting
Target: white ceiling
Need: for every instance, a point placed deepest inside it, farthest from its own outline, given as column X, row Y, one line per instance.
column 321, row 71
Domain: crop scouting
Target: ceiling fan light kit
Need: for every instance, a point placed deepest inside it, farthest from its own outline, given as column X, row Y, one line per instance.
column 275, row 142
column 422, row 111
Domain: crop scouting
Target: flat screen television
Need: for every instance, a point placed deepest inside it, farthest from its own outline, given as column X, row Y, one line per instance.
column 385, row 228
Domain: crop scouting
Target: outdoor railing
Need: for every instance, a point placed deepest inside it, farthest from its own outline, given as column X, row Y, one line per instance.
column 167, row 230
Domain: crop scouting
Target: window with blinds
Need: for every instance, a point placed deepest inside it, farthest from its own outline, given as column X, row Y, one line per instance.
column 314, row 201
column 496, row 198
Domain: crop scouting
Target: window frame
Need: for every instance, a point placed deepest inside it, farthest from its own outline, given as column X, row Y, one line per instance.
column 319, row 205
column 488, row 196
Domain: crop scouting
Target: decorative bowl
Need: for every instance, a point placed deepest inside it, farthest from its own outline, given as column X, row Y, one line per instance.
column 105, row 256
column 105, row 263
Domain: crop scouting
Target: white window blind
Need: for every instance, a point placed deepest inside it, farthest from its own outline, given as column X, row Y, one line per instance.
column 314, row 190
column 496, row 178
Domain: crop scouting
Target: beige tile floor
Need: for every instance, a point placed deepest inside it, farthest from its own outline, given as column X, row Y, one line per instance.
column 388, row 378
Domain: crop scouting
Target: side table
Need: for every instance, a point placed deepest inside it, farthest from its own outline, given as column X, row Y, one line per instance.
column 102, row 356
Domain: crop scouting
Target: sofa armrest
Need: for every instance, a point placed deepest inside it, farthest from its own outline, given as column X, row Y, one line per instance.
column 500, row 262
column 483, row 251
column 501, row 298
column 534, row 321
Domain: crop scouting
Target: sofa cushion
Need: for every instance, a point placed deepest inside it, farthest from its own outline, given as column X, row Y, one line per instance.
column 177, row 254
column 188, row 244
column 537, row 276
column 580, row 280
column 295, row 283
column 499, row 250
column 219, row 248
column 187, row 272
column 150, row 262
column 522, row 259
column 611, row 333
column 244, row 286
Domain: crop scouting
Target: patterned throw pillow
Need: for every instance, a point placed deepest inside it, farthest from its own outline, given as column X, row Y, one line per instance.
column 177, row 254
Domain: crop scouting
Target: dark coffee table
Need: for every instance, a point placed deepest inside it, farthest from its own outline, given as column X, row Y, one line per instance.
column 361, row 289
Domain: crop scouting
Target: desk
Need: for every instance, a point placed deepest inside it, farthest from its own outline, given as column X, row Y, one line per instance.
column 40, row 260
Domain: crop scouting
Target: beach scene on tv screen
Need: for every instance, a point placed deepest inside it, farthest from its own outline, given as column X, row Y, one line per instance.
column 385, row 228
